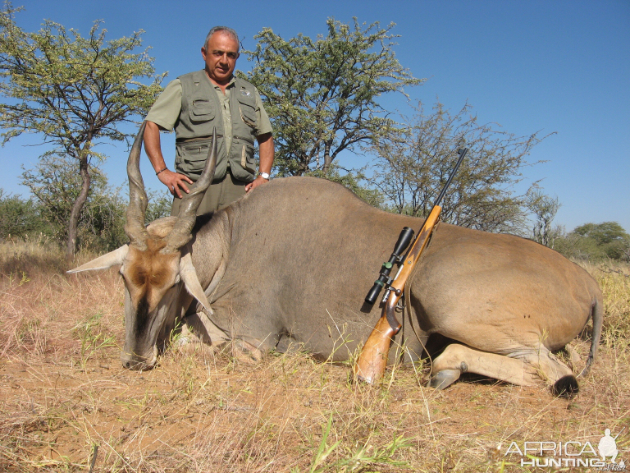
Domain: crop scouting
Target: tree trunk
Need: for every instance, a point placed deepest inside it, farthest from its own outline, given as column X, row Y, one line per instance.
column 73, row 223
column 327, row 158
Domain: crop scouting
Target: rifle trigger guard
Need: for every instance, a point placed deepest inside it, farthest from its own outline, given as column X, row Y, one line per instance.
column 390, row 313
column 400, row 306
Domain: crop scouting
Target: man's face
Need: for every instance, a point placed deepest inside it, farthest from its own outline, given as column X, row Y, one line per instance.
column 220, row 57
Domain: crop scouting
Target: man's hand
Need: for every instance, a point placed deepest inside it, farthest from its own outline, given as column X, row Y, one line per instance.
column 265, row 153
column 257, row 182
column 175, row 182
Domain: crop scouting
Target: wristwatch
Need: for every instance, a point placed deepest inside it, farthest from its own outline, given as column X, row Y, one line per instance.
column 264, row 175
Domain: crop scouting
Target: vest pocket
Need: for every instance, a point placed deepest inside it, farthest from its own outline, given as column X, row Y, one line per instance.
column 248, row 112
column 247, row 159
column 191, row 157
column 201, row 111
column 242, row 165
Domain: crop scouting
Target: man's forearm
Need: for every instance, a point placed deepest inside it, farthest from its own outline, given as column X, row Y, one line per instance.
column 174, row 181
column 153, row 147
column 266, row 152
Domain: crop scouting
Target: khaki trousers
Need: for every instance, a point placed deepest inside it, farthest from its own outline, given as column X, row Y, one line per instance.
column 218, row 196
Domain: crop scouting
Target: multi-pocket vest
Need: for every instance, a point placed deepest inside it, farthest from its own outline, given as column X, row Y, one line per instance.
column 200, row 113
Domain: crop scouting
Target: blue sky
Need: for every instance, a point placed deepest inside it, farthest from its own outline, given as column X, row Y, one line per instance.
column 551, row 66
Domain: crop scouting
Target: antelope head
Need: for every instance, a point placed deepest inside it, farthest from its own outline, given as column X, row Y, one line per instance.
column 156, row 265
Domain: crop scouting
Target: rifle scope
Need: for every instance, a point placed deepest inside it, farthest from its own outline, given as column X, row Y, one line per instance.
column 406, row 235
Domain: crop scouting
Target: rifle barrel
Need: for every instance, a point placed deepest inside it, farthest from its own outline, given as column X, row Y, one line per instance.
column 462, row 153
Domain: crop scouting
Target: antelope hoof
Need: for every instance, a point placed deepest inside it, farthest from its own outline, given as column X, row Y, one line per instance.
column 443, row 379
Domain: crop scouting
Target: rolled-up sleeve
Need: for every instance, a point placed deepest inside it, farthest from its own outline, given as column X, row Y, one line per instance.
column 264, row 124
column 165, row 111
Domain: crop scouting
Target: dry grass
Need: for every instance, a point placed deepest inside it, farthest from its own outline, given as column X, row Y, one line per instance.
column 64, row 396
column 19, row 256
column 614, row 280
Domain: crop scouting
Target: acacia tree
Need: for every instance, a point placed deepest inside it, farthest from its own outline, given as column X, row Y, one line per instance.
column 595, row 241
column 544, row 208
column 609, row 238
column 55, row 184
column 414, row 163
column 73, row 91
column 322, row 95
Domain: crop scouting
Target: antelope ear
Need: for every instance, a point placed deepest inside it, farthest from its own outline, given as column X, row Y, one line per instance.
column 189, row 275
column 103, row 262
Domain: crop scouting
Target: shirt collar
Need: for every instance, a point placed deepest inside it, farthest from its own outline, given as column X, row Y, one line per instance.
column 228, row 86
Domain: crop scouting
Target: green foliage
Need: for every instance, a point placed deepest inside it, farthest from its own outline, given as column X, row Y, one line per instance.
column 414, row 164
column 603, row 233
column 56, row 185
column 159, row 206
column 19, row 217
column 73, row 91
column 596, row 241
column 322, row 95
column 69, row 88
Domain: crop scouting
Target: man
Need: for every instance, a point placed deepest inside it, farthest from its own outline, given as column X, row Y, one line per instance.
column 194, row 104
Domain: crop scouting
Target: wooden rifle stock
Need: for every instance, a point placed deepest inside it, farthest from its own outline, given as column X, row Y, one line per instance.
column 371, row 363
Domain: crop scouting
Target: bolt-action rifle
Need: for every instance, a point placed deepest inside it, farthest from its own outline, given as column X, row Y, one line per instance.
column 371, row 363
